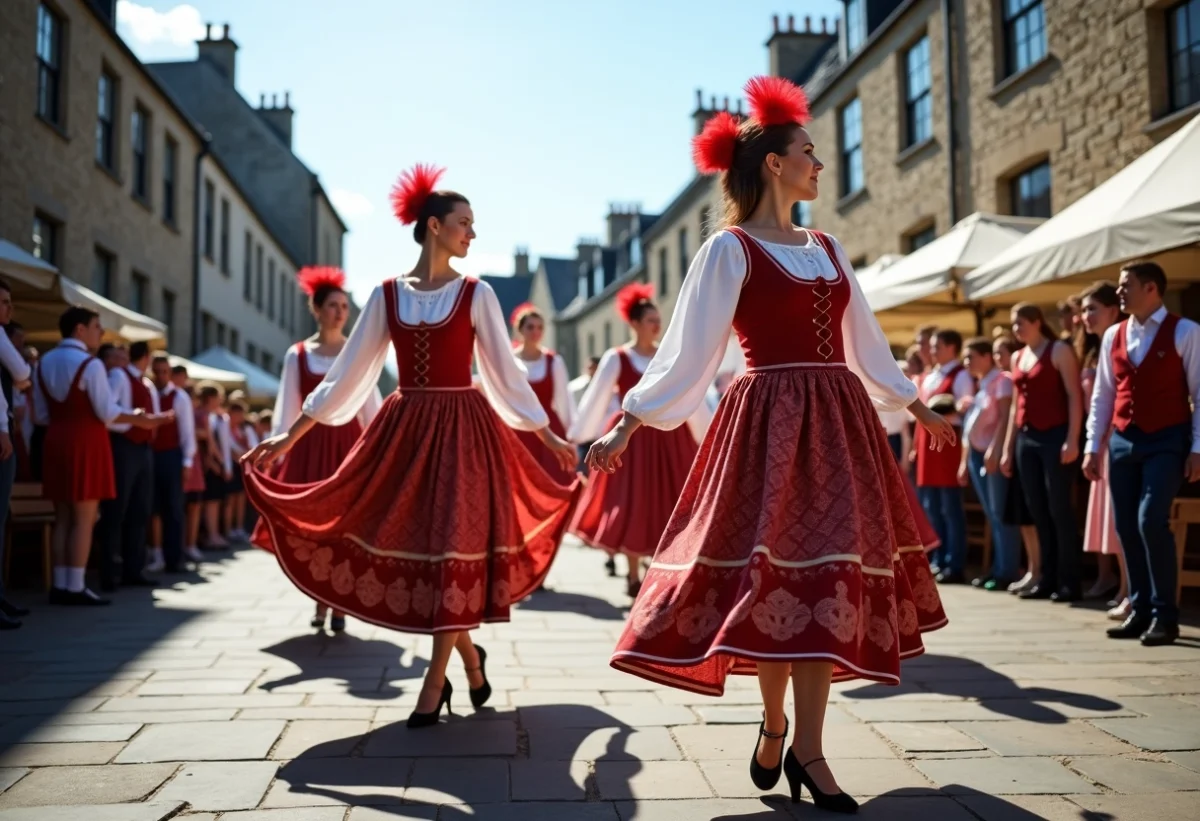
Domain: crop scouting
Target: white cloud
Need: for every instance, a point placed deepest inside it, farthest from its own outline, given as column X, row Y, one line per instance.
column 180, row 26
column 350, row 204
column 484, row 262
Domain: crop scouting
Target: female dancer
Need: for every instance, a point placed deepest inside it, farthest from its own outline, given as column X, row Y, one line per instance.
column 319, row 454
column 627, row 512
column 1016, row 512
column 547, row 374
column 438, row 519
column 1102, row 310
column 1043, row 440
column 793, row 551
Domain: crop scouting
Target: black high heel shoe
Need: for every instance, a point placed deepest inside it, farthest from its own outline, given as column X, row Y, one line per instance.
column 417, row 720
column 337, row 624
column 480, row 695
column 318, row 620
column 767, row 777
column 798, row 777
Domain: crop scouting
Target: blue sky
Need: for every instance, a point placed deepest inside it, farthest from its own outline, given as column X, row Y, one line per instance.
column 544, row 112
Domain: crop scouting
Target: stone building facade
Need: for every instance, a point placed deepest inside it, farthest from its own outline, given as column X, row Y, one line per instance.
column 97, row 164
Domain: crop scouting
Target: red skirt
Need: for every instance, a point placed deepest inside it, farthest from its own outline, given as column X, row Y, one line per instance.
column 929, row 537
column 193, row 481
column 78, row 463
column 628, row 511
column 544, row 456
column 437, row 520
column 315, row 457
column 794, row 540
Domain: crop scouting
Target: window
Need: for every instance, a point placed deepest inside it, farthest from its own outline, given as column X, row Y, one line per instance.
column 664, row 276
column 1183, row 47
column 598, row 282
column 591, row 345
column 607, row 335
column 139, row 291
column 106, row 104
column 45, row 239
column 635, row 252
column 102, row 272
column 268, row 362
column 224, row 236
column 856, row 24
column 49, row 61
column 1031, row 192
column 921, row 238
column 271, row 289
column 918, row 97
column 852, row 159
column 1024, row 34
column 170, row 168
column 206, row 330
column 209, row 195
column 585, row 281
column 283, row 300
column 251, row 352
column 168, row 310
column 247, row 271
column 139, row 127
column 683, row 253
column 221, row 334
column 802, row 214
column 233, row 340
column 705, row 228
column 258, row 277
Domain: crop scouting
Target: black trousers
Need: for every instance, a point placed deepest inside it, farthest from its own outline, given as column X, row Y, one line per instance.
column 37, row 446
column 123, row 520
column 169, row 504
column 1049, row 488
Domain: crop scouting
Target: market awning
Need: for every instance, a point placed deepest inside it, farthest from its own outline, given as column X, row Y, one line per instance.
column 926, row 286
column 229, row 380
column 41, row 294
column 1148, row 209
column 260, row 385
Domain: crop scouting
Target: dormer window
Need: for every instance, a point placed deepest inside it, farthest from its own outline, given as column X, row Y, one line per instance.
column 856, row 25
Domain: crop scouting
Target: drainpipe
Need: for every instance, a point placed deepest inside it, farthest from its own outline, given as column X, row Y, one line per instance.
column 952, row 138
column 198, row 239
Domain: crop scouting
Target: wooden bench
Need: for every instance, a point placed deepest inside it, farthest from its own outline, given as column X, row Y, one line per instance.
column 1183, row 513
column 29, row 511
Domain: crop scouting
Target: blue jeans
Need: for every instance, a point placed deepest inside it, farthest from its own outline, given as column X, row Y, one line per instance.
column 944, row 507
column 1145, row 473
column 1049, row 487
column 8, row 475
column 992, row 491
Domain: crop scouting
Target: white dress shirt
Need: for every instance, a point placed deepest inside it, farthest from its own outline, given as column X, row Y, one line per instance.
column 962, row 387
column 185, row 420
column 122, row 394
column 57, row 371
column 218, row 423
column 1138, row 340
column 15, row 364
column 563, row 403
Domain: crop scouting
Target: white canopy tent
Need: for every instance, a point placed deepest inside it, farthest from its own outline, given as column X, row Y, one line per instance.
column 261, row 387
column 41, row 294
column 926, row 286
column 1148, row 209
column 229, row 380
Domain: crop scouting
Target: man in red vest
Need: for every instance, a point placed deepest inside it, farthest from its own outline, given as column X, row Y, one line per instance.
column 123, row 520
column 1148, row 394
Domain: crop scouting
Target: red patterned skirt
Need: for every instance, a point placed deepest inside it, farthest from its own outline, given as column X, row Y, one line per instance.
column 437, row 520
column 78, row 463
column 628, row 511
column 193, row 481
column 544, row 456
column 794, row 540
column 929, row 537
column 314, row 458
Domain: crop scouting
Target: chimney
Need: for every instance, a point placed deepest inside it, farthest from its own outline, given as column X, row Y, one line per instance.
column 278, row 117
column 791, row 49
column 621, row 218
column 521, row 263
column 221, row 53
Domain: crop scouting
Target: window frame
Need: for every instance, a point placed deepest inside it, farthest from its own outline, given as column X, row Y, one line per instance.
column 234, row 339
column 919, row 239
column 100, row 253
column 856, row 24
column 664, row 272
column 1173, row 80
column 50, row 65
column 248, row 268
column 53, row 227
column 208, row 217
column 168, row 309
column 170, row 173
column 106, row 120
column 140, row 126
column 847, row 154
column 271, row 288
column 283, row 299
column 1017, row 200
column 258, row 277
column 681, row 240
column 223, row 240
column 139, row 292
column 918, row 102
column 1013, row 40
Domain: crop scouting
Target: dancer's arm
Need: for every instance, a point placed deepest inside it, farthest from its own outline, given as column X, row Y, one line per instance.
column 594, row 411
column 288, row 402
column 503, row 381
column 564, row 402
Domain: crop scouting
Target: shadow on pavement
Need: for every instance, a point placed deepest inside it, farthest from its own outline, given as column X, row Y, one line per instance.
column 311, row 653
column 967, row 679
column 554, row 601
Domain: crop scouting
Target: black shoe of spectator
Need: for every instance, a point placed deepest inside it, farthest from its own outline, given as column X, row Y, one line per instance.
column 1133, row 627
column 1160, row 633
column 12, row 611
column 1038, row 591
column 82, row 598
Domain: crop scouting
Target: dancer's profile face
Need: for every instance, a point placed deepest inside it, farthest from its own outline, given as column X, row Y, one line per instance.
column 455, row 232
column 798, row 169
column 333, row 312
column 533, row 329
column 649, row 326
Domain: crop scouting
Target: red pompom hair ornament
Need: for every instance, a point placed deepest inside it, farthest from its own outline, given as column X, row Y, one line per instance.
column 631, row 296
column 776, row 101
column 312, row 278
column 712, row 148
column 412, row 189
column 520, row 312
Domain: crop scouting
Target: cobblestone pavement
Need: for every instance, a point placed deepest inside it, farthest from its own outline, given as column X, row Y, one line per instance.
column 216, row 700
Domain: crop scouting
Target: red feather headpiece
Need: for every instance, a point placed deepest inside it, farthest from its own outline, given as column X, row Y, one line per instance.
column 520, row 312
column 712, row 148
column 631, row 296
column 775, row 101
column 313, row 277
column 412, row 189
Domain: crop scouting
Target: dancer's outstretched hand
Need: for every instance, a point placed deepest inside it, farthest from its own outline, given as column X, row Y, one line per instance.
column 563, row 451
column 941, row 432
column 605, row 453
column 269, row 451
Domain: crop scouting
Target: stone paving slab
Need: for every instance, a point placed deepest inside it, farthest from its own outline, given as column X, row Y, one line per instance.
column 150, row 811
column 221, row 785
column 1003, row 776
column 203, row 741
column 86, row 785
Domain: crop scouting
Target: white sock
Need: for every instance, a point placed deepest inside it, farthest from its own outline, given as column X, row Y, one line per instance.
column 75, row 580
column 60, row 578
